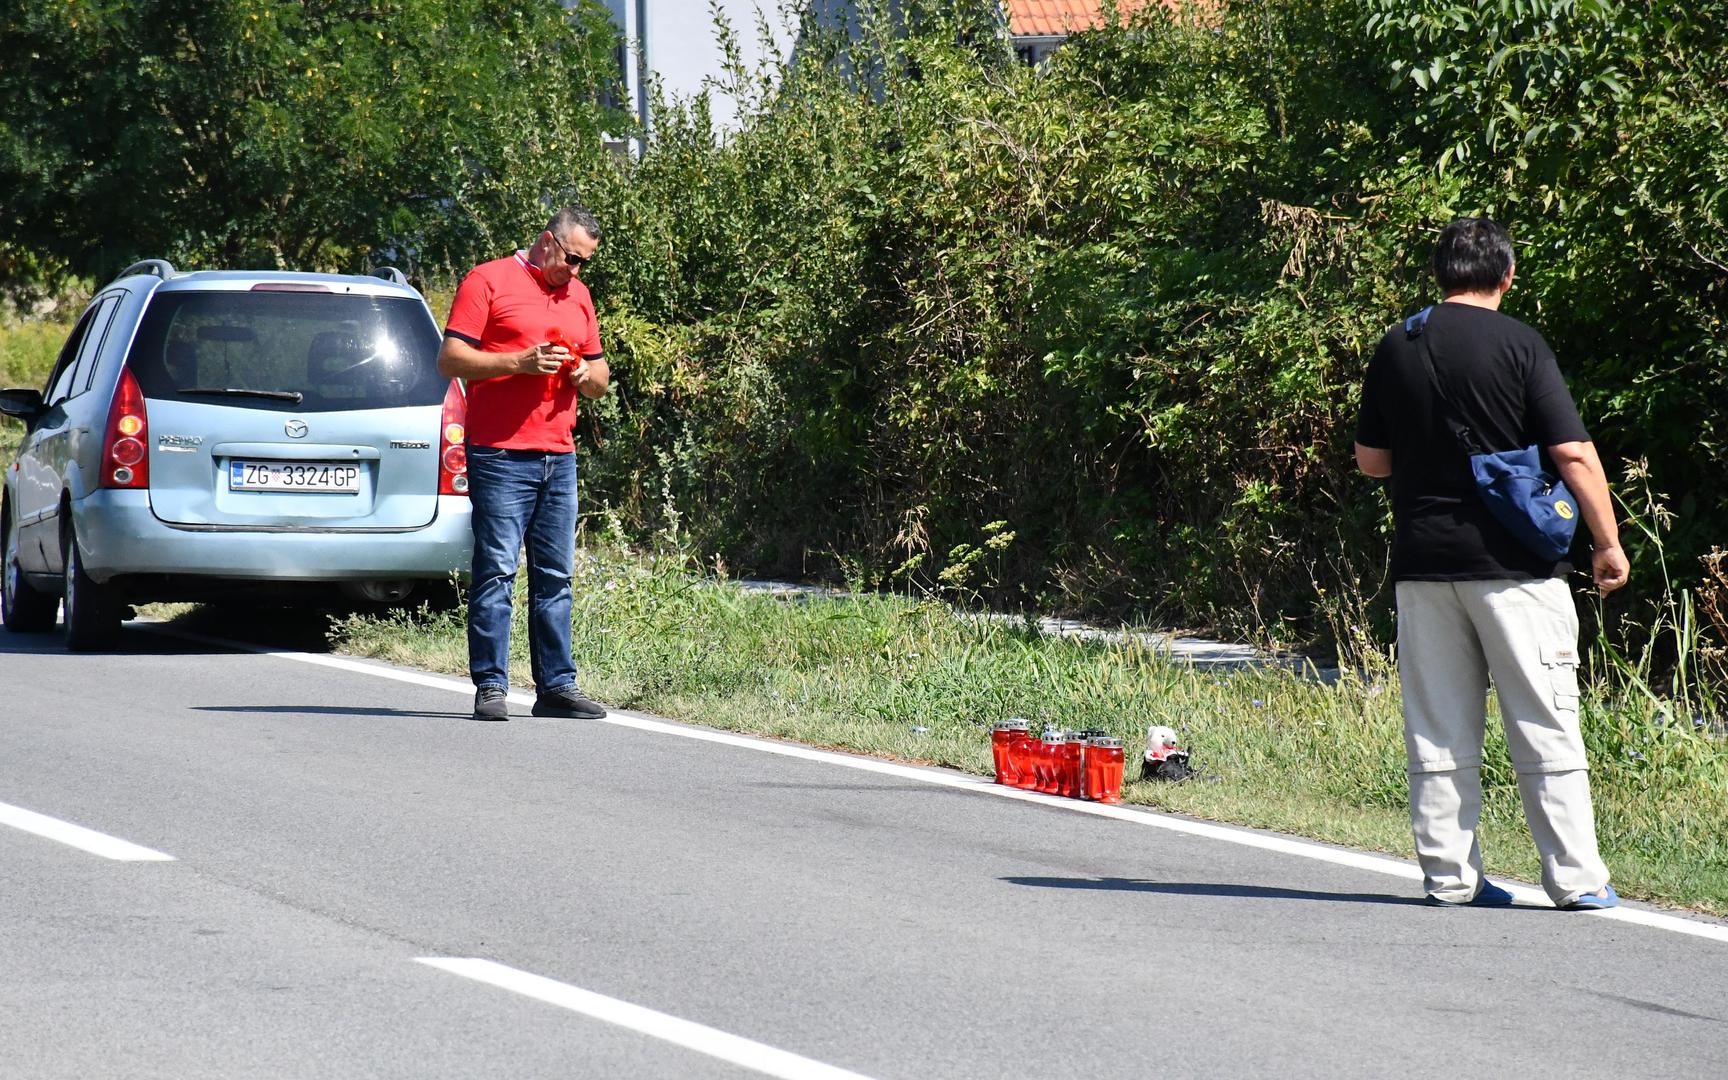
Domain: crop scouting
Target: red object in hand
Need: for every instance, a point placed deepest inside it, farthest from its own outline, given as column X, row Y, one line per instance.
column 555, row 336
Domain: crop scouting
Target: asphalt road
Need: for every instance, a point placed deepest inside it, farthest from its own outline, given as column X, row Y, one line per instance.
column 331, row 830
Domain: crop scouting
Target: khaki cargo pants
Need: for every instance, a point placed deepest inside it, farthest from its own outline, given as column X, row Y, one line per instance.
column 1451, row 636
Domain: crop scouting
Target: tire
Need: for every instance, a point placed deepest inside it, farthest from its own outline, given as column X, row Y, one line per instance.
column 24, row 609
column 92, row 616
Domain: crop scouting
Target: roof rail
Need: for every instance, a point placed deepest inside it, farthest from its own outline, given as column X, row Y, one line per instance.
column 390, row 274
column 162, row 268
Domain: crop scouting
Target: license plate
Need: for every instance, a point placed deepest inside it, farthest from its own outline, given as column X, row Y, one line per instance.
column 317, row 477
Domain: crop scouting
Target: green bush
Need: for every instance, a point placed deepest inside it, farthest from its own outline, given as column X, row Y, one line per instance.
column 28, row 350
column 1123, row 303
column 318, row 135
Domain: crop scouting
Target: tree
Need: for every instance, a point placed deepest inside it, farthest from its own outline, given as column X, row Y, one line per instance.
column 307, row 135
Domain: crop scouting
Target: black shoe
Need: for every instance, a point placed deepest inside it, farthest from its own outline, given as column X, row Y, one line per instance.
column 491, row 703
column 567, row 702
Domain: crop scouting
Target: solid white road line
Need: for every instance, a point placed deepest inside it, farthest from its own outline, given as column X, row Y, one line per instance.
column 1306, row 849
column 692, row 1036
column 78, row 836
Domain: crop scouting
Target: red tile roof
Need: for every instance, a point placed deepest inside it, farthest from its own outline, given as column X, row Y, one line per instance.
column 1055, row 18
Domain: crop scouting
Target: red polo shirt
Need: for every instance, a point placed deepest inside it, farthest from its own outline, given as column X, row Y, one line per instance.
column 505, row 306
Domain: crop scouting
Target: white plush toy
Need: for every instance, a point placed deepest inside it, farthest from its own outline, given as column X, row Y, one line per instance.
column 1163, row 760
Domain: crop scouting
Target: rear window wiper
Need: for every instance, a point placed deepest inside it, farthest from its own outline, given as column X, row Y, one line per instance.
column 294, row 396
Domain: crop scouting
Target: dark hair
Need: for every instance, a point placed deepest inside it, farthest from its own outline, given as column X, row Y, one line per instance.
column 1472, row 255
column 573, row 217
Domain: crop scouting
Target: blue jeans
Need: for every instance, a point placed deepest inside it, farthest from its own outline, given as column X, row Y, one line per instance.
column 521, row 498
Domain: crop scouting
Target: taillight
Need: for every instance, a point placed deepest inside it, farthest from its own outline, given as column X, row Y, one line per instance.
column 125, row 446
column 452, row 443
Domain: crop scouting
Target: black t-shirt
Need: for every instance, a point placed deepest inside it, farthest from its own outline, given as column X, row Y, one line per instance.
column 1506, row 388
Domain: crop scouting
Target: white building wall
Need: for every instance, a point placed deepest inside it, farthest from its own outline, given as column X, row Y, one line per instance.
column 677, row 41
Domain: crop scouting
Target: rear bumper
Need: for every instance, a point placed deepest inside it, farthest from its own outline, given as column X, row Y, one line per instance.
column 119, row 535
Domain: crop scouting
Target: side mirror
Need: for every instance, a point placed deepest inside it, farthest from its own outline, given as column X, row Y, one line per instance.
column 23, row 403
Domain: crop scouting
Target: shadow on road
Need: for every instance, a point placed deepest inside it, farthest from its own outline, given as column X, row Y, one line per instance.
column 329, row 710
column 296, row 629
column 301, row 629
column 1197, row 888
column 1653, row 1006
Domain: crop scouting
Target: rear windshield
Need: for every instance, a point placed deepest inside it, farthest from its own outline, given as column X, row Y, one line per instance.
column 294, row 352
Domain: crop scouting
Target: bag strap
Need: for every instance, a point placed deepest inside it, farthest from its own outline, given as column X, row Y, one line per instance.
column 1413, row 329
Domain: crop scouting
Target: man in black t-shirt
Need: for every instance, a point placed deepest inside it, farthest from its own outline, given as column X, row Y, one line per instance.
column 1472, row 600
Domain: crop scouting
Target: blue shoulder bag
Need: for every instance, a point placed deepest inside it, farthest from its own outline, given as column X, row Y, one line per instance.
column 1532, row 503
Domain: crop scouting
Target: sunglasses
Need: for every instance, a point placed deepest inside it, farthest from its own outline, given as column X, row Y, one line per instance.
column 570, row 257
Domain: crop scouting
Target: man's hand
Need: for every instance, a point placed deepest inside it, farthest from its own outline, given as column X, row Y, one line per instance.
column 1582, row 470
column 457, row 359
column 542, row 359
column 590, row 378
column 1610, row 568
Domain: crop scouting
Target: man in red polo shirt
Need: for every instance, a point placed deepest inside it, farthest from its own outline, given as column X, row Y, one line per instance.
column 523, row 335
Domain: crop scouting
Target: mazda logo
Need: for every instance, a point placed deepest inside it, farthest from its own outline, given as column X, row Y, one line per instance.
column 296, row 429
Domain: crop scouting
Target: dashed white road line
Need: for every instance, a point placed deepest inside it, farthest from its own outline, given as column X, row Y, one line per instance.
column 109, row 847
column 736, row 1049
column 1306, row 849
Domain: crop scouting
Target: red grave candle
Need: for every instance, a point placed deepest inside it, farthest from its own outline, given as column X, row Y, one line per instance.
column 1050, row 777
column 1022, row 749
column 1001, row 749
column 1104, row 777
column 1073, row 754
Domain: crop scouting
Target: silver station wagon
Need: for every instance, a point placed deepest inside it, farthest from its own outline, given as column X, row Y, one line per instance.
column 216, row 434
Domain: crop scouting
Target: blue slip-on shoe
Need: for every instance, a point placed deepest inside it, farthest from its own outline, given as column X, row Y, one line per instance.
column 1594, row 901
column 1489, row 895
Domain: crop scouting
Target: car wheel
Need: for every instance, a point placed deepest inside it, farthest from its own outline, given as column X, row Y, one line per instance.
column 92, row 616
column 24, row 609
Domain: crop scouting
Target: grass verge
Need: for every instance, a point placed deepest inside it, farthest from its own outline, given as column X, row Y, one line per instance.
column 917, row 682
column 28, row 349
